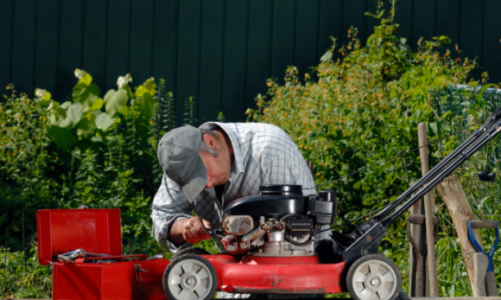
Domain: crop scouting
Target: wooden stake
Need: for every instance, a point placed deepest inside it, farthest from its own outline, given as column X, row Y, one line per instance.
column 429, row 204
column 454, row 197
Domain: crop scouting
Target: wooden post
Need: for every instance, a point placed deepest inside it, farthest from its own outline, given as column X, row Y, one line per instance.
column 418, row 233
column 429, row 204
column 454, row 197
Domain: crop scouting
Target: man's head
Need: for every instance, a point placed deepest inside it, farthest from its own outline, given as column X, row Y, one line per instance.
column 195, row 159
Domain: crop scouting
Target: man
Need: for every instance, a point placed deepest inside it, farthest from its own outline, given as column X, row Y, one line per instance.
column 207, row 167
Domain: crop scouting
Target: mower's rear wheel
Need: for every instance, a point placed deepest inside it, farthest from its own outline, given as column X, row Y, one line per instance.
column 373, row 277
column 189, row 277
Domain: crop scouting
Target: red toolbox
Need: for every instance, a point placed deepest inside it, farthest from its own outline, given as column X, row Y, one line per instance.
column 112, row 276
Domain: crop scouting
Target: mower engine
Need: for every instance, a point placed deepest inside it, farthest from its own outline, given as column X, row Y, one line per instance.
column 280, row 221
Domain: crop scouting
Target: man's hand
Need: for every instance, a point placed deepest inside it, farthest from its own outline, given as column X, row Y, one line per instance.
column 192, row 230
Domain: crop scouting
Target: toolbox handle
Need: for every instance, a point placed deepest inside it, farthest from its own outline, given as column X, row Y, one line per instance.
column 484, row 224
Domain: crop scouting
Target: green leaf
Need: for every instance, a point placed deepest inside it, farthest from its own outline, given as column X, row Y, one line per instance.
column 145, row 105
column 471, row 111
column 485, row 87
column 86, row 78
column 62, row 137
column 473, row 83
column 326, row 57
column 97, row 105
column 104, row 121
column 85, row 94
column 57, row 110
column 114, row 101
column 87, row 126
column 433, row 127
column 73, row 116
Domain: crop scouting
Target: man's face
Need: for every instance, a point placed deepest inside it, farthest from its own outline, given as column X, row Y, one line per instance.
column 218, row 168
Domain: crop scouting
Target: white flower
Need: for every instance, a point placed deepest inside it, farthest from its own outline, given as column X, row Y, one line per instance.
column 40, row 93
column 464, row 274
column 123, row 80
column 80, row 73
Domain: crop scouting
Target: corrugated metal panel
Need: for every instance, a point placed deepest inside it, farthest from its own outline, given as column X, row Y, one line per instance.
column 95, row 37
column 354, row 11
column 282, row 45
column 165, row 42
column 470, row 40
column 424, row 20
column 211, row 64
column 330, row 23
column 46, row 42
column 404, row 17
column 492, row 40
column 23, row 56
column 70, row 46
column 258, row 49
column 306, row 41
column 218, row 51
column 188, row 65
column 371, row 21
column 141, row 40
column 6, row 20
column 118, row 39
column 448, row 22
column 235, row 59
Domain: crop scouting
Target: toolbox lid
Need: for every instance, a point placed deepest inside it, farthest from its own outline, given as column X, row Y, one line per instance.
column 63, row 230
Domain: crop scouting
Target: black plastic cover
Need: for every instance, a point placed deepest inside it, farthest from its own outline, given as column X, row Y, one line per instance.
column 273, row 206
column 280, row 190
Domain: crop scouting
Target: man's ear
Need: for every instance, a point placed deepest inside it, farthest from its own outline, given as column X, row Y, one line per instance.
column 210, row 141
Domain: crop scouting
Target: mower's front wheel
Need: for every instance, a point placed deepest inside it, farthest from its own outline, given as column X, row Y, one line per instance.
column 373, row 277
column 189, row 277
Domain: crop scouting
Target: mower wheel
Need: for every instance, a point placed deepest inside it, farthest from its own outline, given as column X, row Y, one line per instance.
column 189, row 277
column 373, row 277
column 191, row 250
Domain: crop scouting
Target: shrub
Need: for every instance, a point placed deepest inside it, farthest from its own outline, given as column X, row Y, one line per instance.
column 93, row 151
column 361, row 113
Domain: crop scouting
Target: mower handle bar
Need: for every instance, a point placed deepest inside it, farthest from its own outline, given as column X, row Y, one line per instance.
column 490, row 129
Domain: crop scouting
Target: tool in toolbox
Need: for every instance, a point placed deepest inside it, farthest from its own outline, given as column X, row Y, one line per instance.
column 269, row 243
column 490, row 278
column 420, row 255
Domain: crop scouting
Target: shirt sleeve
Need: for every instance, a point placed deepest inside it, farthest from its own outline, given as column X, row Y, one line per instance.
column 169, row 205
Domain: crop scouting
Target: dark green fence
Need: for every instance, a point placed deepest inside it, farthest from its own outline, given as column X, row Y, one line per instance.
column 219, row 51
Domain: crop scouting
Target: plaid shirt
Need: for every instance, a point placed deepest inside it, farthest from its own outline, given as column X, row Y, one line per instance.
column 264, row 154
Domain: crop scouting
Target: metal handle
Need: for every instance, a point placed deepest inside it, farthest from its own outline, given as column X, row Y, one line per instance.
column 158, row 256
column 484, row 224
column 72, row 255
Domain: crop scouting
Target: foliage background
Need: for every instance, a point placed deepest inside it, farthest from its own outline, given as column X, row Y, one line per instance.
column 100, row 150
column 364, row 109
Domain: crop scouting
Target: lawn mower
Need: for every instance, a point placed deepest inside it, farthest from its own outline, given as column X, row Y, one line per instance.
column 269, row 239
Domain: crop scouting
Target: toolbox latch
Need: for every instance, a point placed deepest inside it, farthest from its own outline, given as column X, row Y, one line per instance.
column 138, row 272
